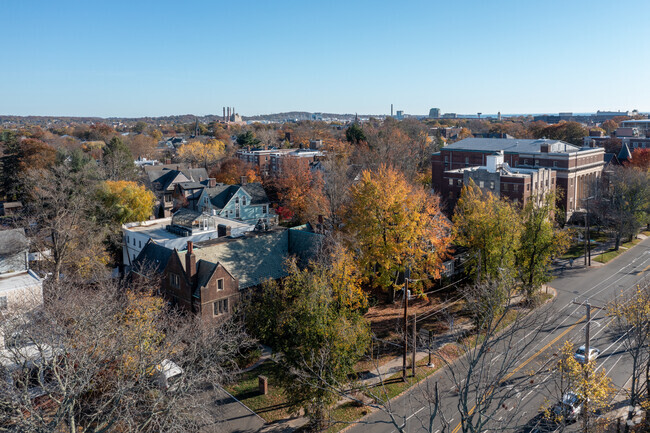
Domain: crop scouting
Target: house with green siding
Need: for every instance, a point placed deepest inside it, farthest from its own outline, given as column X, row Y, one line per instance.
column 245, row 202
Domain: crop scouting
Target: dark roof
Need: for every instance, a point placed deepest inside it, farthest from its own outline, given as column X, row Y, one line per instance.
column 257, row 193
column 13, row 241
column 624, row 154
column 204, row 271
column 153, row 256
column 166, row 176
column 221, row 194
column 512, row 145
column 191, row 185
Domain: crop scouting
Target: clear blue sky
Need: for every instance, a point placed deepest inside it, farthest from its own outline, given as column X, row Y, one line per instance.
column 150, row 58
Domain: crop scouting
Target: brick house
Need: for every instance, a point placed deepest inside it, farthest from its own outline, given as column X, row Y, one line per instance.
column 576, row 169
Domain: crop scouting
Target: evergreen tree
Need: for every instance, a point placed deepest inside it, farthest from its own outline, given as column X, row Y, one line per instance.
column 118, row 161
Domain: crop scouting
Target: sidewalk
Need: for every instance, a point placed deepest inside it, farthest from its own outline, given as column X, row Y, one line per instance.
column 562, row 265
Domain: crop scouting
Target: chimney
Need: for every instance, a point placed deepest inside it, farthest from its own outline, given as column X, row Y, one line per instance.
column 224, row 114
column 190, row 261
column 168, row 161
column 223, row 230
column 242, row 180
column 228, row 113
column 212, row 182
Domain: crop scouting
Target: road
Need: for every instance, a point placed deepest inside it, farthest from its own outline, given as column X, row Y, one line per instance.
column 565, row 321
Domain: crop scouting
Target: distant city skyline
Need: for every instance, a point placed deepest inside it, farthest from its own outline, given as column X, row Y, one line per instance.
column 136, row 59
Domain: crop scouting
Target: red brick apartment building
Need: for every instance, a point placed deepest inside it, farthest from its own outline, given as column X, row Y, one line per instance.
column 524, row 170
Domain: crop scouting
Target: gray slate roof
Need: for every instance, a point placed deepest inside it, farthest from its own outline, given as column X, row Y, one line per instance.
column 512, row 145
column 13, row 241
column 257, row 193
column 166, row 176
column 152, row 257
column 221, row 194
column 251, row 259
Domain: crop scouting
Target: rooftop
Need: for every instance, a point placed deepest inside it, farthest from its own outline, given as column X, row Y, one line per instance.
column 18, row 280
column 13, row 241
column 156, row 229
column 512, row 145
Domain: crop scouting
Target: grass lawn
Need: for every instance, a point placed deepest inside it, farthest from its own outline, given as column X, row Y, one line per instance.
column 611, row 254
column 345, row 414
column 272, row 406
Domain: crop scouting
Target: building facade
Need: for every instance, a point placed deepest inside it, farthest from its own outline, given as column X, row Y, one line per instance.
column 576, row 169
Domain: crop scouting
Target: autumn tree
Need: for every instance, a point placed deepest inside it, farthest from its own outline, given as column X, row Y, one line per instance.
column 307, row 319
column 396, row 225
column 591, row 385
column 141, row 145
column 490, row 228
column 622, row 203
column 299, row 190
column 230, row 171
column 631, row 313
column 20, row 155
column 640, row 159
column 36, row 154
column 609, row 126
column 540, row 242
column 100, row 354
column 125, row 201
column 59, row 206
column 203, row 154
column 118, row 160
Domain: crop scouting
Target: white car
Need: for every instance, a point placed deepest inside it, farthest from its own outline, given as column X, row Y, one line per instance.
column 569, row 408
column 581, row 352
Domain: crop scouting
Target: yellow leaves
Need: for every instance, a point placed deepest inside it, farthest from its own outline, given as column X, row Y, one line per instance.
column 204, row 154
column 395, row 225
column 128, row 201
column 346, row 280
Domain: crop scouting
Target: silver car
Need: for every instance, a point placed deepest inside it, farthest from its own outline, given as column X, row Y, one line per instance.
column 581, row 357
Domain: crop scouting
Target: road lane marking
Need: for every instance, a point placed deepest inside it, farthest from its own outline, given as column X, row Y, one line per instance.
column 644, row 269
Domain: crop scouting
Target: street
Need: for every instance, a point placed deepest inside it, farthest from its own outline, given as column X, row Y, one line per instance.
column 563, row 320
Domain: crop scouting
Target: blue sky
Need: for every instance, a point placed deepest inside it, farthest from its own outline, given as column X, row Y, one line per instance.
column 150, row 58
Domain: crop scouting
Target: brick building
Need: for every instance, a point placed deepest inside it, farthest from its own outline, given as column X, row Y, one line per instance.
column 271, row 161
column 576, row 169
column 517, row 184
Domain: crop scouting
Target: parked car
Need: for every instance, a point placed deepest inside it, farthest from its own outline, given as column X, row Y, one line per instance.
column 569, row 408
column 581, row 352
column 167, row 374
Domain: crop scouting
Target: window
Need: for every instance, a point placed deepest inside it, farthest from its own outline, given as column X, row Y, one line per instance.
column 525, row 162
column 446, row 159
column 237, row 212
column 3, row 302
column 554, row 163
column 175, row 280
column 133, row 241
column 527, row 187
column 460, row 182
column 515, row 188
column 451, row 182
column 236, row 200
column 140, row 244
column 220, row 284
column 491, row 185
column 220, row 307
column 504, row 186
column 466, row 161
column 481, row 184
column 243, row 201
column 264, row 209
column 536, row 162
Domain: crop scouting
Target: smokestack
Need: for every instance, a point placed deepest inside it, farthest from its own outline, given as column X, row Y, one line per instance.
column 224, row 114
column 391, row 110
column 233, row 111
column 190, row 261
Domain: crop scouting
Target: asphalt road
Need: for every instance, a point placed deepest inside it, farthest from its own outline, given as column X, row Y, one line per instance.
column 563, row 321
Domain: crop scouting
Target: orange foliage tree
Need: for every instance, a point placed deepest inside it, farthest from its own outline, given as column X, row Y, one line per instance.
column 300, row 191
column 396, row 225
column 231, row 170
column 640, row 159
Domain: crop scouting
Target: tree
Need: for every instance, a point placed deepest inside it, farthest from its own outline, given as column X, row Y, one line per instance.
column 247, row 139
column 204, row 154
column 141, row 145
column 59, row 207
column 354, row 134
column 118, row 160
column 126, row 201
column 396, row 225
column 319, row 337
column 299, row 190
column 623, row 203
column 640, row 159
column 36, row 154
column 609, row 126
column 632, row 320
column 490, row 228
column 100, row 353
column 540, row 243
column 591, row 385
column 231, row 170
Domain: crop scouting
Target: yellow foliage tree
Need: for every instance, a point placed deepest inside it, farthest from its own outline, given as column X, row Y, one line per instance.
column 346, row 280
column 126, row 201
column 396, row 225
column 204, row 154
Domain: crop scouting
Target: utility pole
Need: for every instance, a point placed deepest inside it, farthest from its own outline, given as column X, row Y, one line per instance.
column 430, row 364
column 415, row 346
column 407, row 274
column 587, row 354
